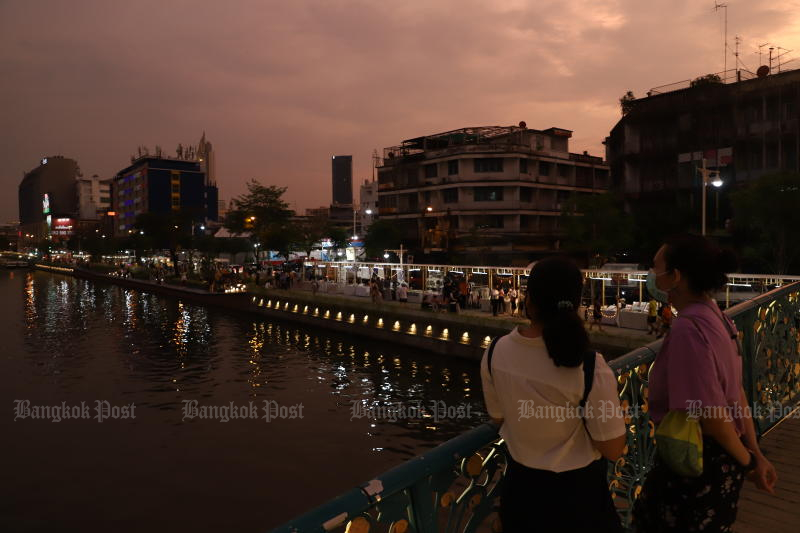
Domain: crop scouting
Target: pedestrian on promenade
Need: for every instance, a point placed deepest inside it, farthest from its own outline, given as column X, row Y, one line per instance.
column 512, row 296
column 556, row 474
column 314, row 286
column 495, row 300
column 666, row 320
column 597, row 315
column 699, row 369
column 402, row 293
column 652, row 316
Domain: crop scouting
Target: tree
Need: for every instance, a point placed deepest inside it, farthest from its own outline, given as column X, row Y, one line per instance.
column 766, row 219
column 596, row 225
column 338, row 237
column 263, row 213
column 626, row 103
column 708, row 79
column 171, row 231
column 381, row 235
column 309, row 233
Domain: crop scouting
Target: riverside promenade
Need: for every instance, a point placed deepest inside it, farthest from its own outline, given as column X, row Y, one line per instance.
column 612, row 341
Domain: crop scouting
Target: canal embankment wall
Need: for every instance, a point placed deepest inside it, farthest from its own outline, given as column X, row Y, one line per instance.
column 456, row 335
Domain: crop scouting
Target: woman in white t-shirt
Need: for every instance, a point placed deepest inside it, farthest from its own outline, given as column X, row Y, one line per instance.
column 533, row 384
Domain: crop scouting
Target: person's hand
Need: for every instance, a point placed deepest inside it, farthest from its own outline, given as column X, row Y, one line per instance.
column 764, row 475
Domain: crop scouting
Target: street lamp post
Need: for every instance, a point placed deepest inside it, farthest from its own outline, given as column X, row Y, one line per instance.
column 400, row 254
column 710, row 177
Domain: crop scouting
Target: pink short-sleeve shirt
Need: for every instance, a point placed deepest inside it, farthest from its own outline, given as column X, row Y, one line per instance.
column 698, row 367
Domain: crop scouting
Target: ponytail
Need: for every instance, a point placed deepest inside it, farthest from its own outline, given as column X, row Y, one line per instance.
column 554, row 291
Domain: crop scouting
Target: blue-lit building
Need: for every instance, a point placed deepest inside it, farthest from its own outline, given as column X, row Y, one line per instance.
column 162, row 185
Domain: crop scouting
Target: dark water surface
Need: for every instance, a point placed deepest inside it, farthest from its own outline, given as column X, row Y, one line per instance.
column 69, row 340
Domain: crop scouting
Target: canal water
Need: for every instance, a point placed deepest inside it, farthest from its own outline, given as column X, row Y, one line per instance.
column 335, row 407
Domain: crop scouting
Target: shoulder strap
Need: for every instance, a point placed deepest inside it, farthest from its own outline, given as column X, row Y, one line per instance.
column 491, row 352
column 589, row 359
column 588, row 375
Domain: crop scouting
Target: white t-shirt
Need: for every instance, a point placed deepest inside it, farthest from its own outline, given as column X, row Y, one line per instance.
column 539, row 403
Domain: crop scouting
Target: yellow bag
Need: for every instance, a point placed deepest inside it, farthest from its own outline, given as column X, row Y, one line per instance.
column 679, row 443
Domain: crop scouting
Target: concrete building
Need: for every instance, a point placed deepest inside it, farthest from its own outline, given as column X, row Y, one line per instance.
column 94, row 197
column 368, row 204
column 162, row 185
column 47, row 193
column 342, row 180
column 493, row 188
column 744, row 125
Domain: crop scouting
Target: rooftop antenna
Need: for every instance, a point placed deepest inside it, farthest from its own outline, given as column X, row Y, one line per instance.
column 780, row 55
column 760, row 46
column 717, row 7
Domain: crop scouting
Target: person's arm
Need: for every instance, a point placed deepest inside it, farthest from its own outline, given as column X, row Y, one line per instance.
column 764, row 476
column 611, row 449
column 723, row 430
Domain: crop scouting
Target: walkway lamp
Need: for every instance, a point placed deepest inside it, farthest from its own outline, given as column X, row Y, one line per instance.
column 710, row 177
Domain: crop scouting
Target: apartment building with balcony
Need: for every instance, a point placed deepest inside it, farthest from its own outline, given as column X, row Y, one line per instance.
column 496, row 188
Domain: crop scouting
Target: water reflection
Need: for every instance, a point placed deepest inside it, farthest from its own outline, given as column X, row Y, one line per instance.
column 161, row 351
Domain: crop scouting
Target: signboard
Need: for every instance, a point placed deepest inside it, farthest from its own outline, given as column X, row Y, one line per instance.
column 46, row 203
column 63, row 227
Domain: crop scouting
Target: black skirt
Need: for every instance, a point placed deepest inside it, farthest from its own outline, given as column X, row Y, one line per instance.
column 573, row 501
column 673, row 503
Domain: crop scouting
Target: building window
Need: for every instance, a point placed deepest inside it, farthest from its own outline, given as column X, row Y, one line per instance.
column 492, row 164
column 525, row 194
column 450, row 196
column 488, row 194
column 489, row 221
column 544, row 168
column 176, row 187
column 431, row 171
column 523, row 166
column 563, row 171
column 452, row 167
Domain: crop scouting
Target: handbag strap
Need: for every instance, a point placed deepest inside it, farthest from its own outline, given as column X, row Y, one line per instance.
column 589, row 359
column 734, row 336
column 491, row 352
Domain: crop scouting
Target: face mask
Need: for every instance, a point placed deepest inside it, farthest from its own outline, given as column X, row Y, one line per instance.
column 655, row 292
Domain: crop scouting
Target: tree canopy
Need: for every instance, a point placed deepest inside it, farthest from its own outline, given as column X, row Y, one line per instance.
column 381, row 235
column 596, row 225
column 263, row 213
column 766, row 221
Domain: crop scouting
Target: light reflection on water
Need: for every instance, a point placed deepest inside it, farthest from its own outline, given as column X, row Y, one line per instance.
column 72, row 340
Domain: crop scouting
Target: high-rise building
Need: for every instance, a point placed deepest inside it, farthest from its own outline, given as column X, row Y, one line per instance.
column 162, row 185
column 342, row 177
column 47, row 194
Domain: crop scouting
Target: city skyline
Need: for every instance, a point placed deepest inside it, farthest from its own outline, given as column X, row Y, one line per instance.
column 280, row 88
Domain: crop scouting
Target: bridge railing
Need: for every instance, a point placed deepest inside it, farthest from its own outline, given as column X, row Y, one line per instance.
column 455, row 486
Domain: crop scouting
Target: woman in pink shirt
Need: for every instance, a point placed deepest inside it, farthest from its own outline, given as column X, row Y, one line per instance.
column 699, row 370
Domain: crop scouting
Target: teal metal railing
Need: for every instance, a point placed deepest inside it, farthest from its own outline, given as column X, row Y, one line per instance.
column 455, row 486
